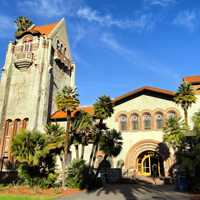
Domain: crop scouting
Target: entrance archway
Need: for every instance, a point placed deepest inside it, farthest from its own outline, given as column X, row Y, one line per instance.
column 150, row 163
column 139, row 149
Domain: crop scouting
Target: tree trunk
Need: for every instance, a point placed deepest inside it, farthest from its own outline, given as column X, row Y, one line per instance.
column 82, row 151
column 63, row 164
column 99, row 167
column 94, row 155
column 91, row 155
column 186, row 116
column 77, row 151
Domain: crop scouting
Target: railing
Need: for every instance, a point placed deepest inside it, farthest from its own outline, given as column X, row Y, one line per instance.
column 58, row 56
column 23, row 59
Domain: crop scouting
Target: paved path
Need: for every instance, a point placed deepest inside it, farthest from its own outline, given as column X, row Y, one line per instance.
column 139, row 191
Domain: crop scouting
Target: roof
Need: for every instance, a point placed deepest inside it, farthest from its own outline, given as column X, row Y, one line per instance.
column 192, row 79
column 154, row 91
column 45, row 29
column 59, row 115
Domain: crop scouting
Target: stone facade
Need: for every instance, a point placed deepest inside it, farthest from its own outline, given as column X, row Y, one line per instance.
column 37, row 65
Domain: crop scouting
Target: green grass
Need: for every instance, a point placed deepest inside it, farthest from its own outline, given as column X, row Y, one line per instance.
column 20, row 197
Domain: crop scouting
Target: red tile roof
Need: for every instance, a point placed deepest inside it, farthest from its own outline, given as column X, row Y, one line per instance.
column 192, row 79
column 63, row 115
column 142, row 90
column 45, row 29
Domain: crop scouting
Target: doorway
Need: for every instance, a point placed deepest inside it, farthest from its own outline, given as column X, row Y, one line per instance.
column 150, row 163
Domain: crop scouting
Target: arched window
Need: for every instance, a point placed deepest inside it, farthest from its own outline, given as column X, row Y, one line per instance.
column 147, row 121
column 123, row 122
column 24, row 123
column 27, row 44
column 17, row 126
column 134, row 121
column 58, row 44
column 171, row 114
column 159, row 120
column 8, row 127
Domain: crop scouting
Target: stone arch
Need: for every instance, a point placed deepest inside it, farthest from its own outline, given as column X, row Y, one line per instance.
column 137, row 149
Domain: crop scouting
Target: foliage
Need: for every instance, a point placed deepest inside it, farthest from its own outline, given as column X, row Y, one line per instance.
column 55, row 138
column 111, row 142
column 174, row 132
column 36, row 164
column 23, row 23
column 67, row 99
column 185, row 97
column 103, row 108
column 29, row 147
column 77, row 174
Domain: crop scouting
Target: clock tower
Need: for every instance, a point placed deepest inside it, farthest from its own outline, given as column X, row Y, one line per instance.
column 38, row 64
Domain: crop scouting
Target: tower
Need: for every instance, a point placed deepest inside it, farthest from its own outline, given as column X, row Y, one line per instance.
column 38, row 64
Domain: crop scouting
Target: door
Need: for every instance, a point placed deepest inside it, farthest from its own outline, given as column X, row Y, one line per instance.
column 146, row 165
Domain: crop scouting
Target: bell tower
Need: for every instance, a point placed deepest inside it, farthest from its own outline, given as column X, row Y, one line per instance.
column 38, row 64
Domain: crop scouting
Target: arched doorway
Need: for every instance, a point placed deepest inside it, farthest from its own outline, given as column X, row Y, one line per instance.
column 142, row 148
column 150, row 163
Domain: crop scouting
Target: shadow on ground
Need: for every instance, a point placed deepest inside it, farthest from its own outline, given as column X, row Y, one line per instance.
column 131, row 189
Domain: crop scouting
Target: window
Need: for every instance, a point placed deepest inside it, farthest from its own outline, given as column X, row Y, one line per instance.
column 8, row 127
column 135, row 122
column 123, row 122
column 171, row 114
column 147, row 121
column 25, row 123
column 159, row 121
column 17, row 126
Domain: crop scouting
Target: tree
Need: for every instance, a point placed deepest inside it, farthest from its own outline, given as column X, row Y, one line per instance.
column 110, row 144
column 103, row 108
column 82, row 127
column 174, row 132
column 67, row 100
column 36, row 164
column 185, row 97
column 23, row 23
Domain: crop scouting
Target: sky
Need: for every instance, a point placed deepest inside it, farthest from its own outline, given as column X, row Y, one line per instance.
column 118, row 45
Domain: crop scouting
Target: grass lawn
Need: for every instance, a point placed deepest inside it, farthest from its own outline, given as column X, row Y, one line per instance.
column 24, row 197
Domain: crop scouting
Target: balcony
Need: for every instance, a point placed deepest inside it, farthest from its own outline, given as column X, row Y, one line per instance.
column 61, row 58
column 23, row 60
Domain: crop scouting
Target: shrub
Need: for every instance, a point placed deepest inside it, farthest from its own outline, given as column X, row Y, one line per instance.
column 79, row 175
column 35, row 163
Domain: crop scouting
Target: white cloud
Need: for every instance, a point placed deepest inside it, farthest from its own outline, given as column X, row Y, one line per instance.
column 49, row 8
column 162, row 3
column 140, row 22
column 188, row 19
column 137, row 58
column 6, row 26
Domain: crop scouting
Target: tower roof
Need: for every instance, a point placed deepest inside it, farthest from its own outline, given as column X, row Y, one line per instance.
column 45, row 29
column 192, row 79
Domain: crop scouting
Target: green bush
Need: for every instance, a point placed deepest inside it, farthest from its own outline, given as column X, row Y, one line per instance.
column 35, row 162
column 79, row 176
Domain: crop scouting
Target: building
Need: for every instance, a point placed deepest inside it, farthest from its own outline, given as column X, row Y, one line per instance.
column 38, row 64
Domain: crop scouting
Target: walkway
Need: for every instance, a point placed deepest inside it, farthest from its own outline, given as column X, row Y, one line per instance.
column 136, row 191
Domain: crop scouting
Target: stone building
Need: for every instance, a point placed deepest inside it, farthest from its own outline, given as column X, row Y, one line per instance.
column 140, row 116
column 38, row 64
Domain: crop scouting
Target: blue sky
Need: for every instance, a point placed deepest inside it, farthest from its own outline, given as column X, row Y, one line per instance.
column 118, row 45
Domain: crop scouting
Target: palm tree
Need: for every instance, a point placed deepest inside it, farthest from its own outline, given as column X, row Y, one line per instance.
column 103, row 108
column 185, row 97
column 174, row 132
column 110, row 144
column 82, row 128
column 67, row 100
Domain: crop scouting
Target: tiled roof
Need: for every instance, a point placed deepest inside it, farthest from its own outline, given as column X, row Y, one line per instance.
column 63, row 115
column 44, row 30
column 192, row 79
column 142, row 90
